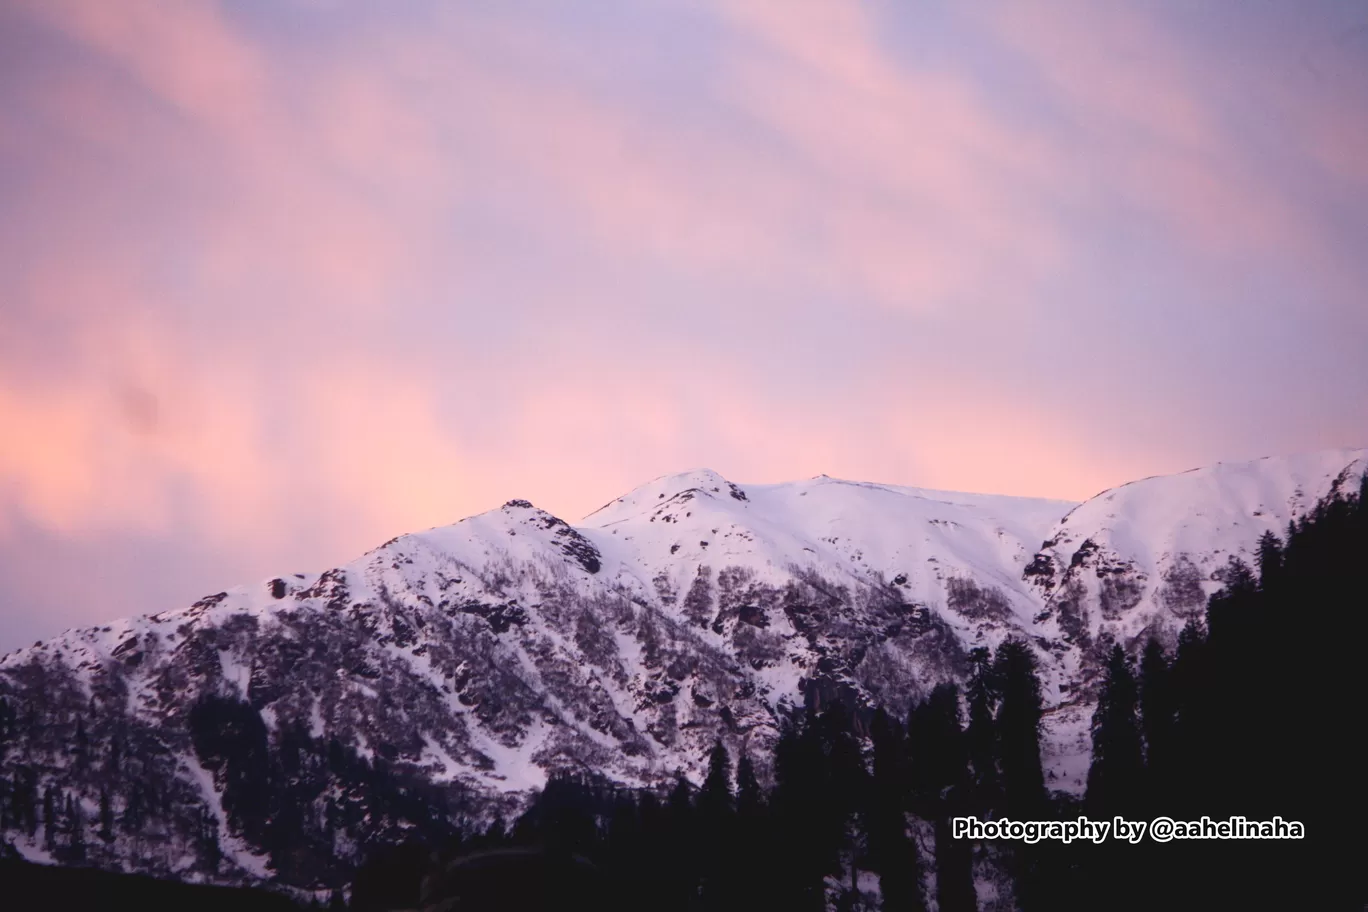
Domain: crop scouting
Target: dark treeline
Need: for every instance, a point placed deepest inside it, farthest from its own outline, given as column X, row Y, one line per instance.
column 25, row 887
column 1256, row 712
column 841, row 817
column 291, row 796
column 294, row 798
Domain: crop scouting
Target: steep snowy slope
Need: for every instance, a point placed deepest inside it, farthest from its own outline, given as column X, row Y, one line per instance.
column 464, row 663
column 853, row 529
column 1140, row 559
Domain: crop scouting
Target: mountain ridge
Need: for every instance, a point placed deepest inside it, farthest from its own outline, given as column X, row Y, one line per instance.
column 473, row 659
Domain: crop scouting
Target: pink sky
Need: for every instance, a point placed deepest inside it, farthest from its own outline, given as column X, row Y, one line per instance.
column 279, row 281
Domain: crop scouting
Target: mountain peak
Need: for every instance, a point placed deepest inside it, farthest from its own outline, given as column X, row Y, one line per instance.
column 699, row 482
column 478, row 658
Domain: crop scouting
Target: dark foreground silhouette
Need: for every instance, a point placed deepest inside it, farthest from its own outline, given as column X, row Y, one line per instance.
column 25, row 886
column 515, row 880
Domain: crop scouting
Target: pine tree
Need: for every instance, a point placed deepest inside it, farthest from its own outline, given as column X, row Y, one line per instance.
column 754, row 863
column 893, row 855
column 1270, row 559
column 1225, row 609
column 1190, row 676
column 715, row 800
column 750, row 797
column 1020, row 710
column 799, row 814
column 1234, row 691
column 1116, row 775
column 106, row 818
column 716, row 822
column 114, row 758
column 80, row 749
column 49, row 820
column 133, row 816
column 210, row 853
column 941, row 789
column 230, row 740
column 682, row 847
column 625, row 847
column 25, row 800
column 845, row 797
column 981, row 734
column 75, row 829
column 658, row 871
column 1116, row 778
column 565, row 816
column 1158, row 718
column 496, row 834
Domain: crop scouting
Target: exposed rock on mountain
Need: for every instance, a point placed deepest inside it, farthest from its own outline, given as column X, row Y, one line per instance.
column 270, row 731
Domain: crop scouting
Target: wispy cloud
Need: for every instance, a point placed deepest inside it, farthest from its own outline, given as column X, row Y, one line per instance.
column 279, row 282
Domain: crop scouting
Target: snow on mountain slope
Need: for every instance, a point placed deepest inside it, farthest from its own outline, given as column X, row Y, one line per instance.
column 849, row 528
column 475, row 658
column 1140, row 559
column 1156, row 547
column 711, row 548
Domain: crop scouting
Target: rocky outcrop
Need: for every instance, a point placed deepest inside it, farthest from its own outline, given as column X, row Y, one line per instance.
column 268, row 733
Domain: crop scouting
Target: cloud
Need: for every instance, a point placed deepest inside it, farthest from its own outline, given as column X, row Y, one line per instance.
column 928, row 181
column 1159, row 124
column 281, row 283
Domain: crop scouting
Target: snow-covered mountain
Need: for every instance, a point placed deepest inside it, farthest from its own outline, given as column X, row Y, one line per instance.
column 466, row 662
